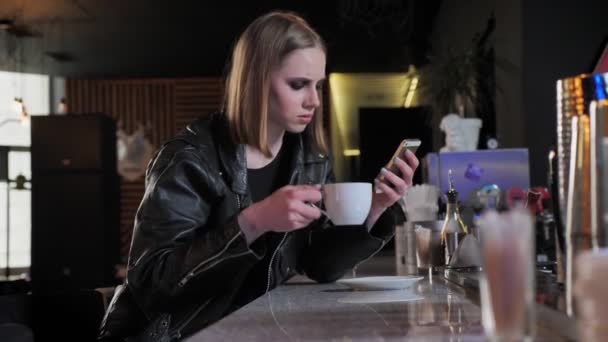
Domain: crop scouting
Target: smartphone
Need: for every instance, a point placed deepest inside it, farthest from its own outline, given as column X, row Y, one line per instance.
column 406, row 144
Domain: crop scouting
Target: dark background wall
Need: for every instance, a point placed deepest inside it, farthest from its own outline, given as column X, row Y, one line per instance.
column 456, row 24
column 542, row 40
column 536, row 43
column 560, row 39
column 161, row 38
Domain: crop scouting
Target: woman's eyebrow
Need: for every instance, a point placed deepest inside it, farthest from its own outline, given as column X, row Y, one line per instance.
column 299, row 78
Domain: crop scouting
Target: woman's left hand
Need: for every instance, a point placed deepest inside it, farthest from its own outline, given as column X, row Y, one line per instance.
column 399, row 185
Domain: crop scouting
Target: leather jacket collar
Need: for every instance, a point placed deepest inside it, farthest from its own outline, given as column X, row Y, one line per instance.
column 231, row 156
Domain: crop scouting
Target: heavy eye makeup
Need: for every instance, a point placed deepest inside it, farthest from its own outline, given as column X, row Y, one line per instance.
column 299, row 83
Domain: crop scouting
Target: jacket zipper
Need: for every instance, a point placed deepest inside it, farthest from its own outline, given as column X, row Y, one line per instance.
column 292, row 180
column 274, row 254
column 196, row 269
column 294, row 175
column 178, row 331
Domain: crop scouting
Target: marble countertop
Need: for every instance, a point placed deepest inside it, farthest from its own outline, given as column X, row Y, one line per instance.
column 435, row 310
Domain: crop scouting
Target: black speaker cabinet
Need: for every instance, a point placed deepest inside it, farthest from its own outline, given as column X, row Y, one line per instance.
column 84, row 142
column 75, row 203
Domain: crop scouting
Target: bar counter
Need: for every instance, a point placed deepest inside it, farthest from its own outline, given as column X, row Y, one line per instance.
column 437, row 310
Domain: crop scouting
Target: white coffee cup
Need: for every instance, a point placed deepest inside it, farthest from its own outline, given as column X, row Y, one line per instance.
column 347, row 203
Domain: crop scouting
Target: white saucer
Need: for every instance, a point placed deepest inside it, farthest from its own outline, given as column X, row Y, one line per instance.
column 380, row 283
column 375, row 297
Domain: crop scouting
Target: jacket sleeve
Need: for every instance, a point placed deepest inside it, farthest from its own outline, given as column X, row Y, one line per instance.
column 332, row 250
column 177, row 249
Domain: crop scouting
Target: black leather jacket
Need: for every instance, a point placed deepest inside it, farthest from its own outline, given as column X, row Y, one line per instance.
column 189, row 257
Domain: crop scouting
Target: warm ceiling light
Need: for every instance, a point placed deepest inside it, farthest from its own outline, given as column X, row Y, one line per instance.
column 353, row 152
column 24, row 118
column 18, row 105
column 410, row 92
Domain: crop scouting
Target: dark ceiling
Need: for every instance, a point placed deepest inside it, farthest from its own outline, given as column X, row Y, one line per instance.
column 154, row 38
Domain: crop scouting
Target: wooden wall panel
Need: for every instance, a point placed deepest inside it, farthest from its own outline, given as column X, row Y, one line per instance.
column 164, row 105
column 194, row 97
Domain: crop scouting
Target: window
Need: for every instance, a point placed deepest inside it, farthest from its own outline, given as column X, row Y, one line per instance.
column 15, row 205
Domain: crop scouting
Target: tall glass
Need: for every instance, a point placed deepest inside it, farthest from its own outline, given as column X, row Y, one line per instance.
column 507, row 285
column 590, row 294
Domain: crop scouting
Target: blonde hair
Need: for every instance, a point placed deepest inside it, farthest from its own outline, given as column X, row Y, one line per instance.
column 260, row 48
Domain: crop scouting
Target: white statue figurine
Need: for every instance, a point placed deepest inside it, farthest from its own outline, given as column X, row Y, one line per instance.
column 461, row 134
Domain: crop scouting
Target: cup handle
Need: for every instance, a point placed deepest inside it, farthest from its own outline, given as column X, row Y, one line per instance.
column 321, row 203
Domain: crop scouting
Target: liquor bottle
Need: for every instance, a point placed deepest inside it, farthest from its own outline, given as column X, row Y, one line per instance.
column 533, row 202
column 538, row 200
column 453, row 230
column 487, row 198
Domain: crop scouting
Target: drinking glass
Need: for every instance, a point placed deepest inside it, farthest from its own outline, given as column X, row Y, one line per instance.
column 507, row 284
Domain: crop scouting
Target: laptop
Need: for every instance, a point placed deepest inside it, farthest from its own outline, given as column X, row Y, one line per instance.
column 507, row 168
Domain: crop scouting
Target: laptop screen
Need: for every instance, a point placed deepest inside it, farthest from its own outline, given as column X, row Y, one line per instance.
column 507, row 168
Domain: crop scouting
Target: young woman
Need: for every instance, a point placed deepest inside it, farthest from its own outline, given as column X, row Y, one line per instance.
column 227, row 211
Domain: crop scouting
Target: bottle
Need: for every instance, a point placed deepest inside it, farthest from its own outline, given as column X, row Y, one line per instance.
column 533, row 203
column 537, row 201
column 488, row 198
column 453, row 230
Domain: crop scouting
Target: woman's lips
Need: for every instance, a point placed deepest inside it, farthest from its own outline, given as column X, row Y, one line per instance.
column 305, row 118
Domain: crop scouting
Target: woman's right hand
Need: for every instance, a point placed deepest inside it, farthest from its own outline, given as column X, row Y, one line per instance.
column 285, row 210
